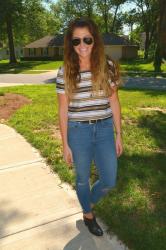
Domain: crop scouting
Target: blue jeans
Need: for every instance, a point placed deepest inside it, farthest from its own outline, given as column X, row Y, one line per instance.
column 93, row 142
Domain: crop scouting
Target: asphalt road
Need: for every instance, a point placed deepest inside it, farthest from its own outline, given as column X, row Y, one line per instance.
column 21, row 79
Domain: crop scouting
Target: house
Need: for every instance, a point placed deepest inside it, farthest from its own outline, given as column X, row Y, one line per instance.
column 48, row 48
column 51, row 48
column 119, row 47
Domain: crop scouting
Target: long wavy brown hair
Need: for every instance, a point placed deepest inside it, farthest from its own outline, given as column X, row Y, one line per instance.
column 101, row 71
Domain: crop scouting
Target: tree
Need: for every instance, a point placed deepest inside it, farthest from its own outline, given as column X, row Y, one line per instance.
column 10, row 10
column 34, row 23
column 148, row 10
column 160, row 51
column 116, row 4
column 66, row 10
column 99, row 11
column 24, row 21
column 109, row 11
column 130, row 18
column 104, row 8
column 89, row 7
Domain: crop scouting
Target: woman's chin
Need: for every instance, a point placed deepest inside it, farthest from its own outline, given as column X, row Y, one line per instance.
column 84, row 55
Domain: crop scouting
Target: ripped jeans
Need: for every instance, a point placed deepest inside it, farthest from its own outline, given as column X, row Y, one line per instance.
column 93, row 142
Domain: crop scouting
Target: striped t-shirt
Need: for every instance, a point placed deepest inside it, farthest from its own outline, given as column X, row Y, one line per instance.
column 83, row 105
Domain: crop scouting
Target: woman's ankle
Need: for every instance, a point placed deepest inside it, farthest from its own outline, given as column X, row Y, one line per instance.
column 92, row 205
column 88, row 215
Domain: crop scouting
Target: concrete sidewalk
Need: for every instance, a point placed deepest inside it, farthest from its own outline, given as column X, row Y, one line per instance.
column 37, row 211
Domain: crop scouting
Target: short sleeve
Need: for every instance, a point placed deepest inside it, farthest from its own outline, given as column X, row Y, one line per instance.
column 113, row 83
column 60, row 86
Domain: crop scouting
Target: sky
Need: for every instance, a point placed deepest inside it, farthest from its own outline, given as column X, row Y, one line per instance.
column 126, row 7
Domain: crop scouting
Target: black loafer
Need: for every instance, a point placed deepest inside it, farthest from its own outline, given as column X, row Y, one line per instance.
column 93, row 226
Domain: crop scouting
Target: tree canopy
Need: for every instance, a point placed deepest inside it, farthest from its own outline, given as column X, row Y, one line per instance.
column 23, row 21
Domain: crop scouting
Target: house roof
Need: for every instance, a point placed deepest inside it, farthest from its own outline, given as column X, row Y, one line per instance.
column 44, row 42
column 113, row 39
column 58, row 40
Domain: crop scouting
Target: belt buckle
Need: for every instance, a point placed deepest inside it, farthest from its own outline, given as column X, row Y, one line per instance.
column 92, row 121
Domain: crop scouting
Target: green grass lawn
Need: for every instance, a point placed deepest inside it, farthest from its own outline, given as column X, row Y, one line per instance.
column 27, row 66
column 135, row 209
column 142, row 67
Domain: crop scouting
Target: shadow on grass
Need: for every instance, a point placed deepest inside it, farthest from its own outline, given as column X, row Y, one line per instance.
column 135, row 209
column 140, row 68
column 156, row 123
column 20, row 66
column 147, row 92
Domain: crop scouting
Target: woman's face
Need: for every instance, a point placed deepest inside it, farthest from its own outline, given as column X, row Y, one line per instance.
column 84, row 48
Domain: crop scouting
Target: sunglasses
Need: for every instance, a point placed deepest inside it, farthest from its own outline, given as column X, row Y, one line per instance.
column 86, row 40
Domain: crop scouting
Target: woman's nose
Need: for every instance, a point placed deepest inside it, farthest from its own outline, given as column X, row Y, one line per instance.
column 82, row 44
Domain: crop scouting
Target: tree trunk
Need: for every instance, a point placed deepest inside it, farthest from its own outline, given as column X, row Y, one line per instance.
column 10, row 40
column 105, row 17
column 131, row 30
column 163, row 27
column 113, row 23
column 147, row 43
column 160, row 52
column 157, row 58
column 106, row 22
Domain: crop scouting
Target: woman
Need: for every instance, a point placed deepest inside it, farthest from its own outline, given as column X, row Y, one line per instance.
column 88, row 108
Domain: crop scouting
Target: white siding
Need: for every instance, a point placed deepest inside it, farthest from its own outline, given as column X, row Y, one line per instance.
column 115, row 51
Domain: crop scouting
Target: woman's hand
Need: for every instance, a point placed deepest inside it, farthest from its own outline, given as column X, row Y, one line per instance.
column 67, row 155
column 119, row 145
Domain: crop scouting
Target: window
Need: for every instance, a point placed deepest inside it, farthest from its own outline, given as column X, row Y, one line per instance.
column 61, row 51
column 45, row 51
column 32, row 51
column 56, row 51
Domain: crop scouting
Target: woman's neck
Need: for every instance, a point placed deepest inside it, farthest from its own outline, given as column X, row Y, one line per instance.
column 84, row 64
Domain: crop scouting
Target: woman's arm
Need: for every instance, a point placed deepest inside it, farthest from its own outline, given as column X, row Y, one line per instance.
column 63, row 119
column 116, row 111
column 62, row 112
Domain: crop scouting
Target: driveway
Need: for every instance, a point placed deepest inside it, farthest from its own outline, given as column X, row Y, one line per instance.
column 49, row 77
